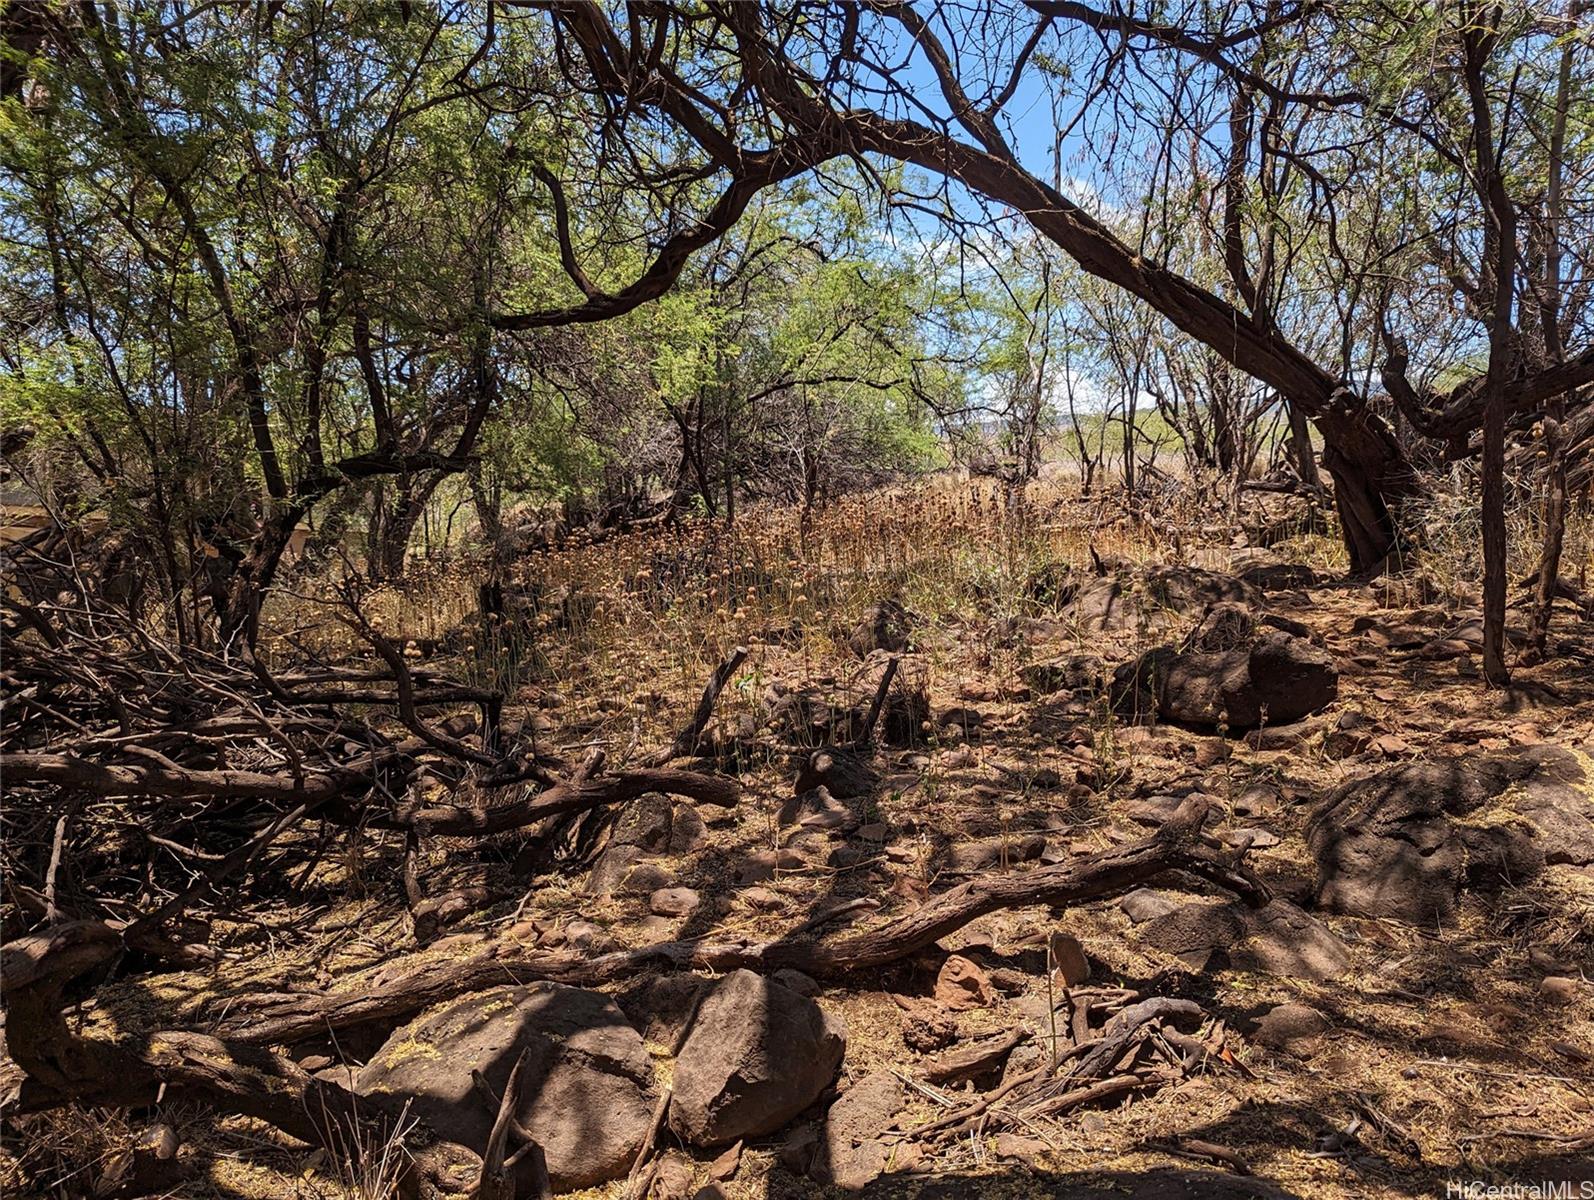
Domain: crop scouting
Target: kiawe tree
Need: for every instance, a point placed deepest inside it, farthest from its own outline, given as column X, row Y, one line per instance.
column 265, row 255
column 315, row 200
column 258, row 233
column 930, row 84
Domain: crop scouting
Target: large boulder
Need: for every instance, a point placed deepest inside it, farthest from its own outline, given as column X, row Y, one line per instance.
column 758, row 1055
column 586, row 1091
column 1234, row 670
column 1405, row 841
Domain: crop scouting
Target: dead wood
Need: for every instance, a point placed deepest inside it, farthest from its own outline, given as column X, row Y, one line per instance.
column 35, row 973
column 1123, row 1028
column 978, row 1058
column 686, row 741
column 1113, row 1088
column 570, row 796
column 1195, row 1148
column 497, row 1180
column 866, row 734
column 399, row 990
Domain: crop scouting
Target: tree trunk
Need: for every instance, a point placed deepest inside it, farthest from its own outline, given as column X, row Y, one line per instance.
column 1550, row 318
column 1368, row 468
column 1301, row 447
column 1500, row 266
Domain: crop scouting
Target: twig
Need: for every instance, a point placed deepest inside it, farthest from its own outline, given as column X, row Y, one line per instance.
column 867, row 733
column 538, row 1186
column 1455, row 1066
column 495, row 1181
column 686, row 741
column 1188, row 1147
column 52, row 911
column 646, row 1150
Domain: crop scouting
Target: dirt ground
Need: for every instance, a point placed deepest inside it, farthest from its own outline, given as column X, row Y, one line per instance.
column 1444, row 1060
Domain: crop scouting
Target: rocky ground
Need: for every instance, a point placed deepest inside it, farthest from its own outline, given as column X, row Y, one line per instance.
column 1408, row 1002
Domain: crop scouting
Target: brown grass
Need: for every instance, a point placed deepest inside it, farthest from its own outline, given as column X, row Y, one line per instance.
column 1442, row 1031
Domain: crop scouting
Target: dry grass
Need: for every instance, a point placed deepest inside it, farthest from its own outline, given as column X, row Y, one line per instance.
column 1442, row 1031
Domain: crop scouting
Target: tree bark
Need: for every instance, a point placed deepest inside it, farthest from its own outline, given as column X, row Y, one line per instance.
column 1500, row 267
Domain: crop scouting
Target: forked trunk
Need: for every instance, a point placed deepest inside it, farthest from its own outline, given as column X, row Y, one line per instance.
column 1369, row 472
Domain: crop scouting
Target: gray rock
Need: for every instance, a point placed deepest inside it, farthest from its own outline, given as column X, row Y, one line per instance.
column 1297, row 1028
column 1405, row 841
column 853, row 1154
column 1278, row 939
column 674, row 902
column 1143, row 905
column 968, row 858
column 758, row 1055
column 587, row 1089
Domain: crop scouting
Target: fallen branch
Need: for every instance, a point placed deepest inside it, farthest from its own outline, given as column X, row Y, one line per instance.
column 497, row 1181
column 570, row 796
column 875, row 705
column 980, row 1058
column 397, row 991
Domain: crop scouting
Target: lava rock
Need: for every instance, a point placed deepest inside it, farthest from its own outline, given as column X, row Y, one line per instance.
column 963, row 984
column 1405, row 841
column 674, row 902
column 853, row 1156
column 1074, row 673
column 1278, row 939
column 758, row 1055
column 587, row 1088
column 1279, row 677
column 1150, row 598
column 841, row 773
column 1143, row 905
column 1296, row 1028
column 968, row 858
column 884, row 626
